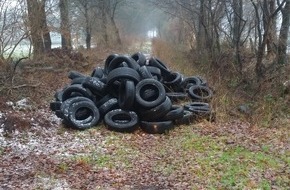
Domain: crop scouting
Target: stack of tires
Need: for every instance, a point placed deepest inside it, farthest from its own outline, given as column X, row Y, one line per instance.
column 132, row 91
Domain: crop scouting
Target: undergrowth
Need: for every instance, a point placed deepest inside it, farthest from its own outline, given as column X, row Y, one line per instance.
column 266, row 102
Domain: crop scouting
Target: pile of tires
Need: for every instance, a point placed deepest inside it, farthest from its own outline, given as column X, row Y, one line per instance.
column 132, row 91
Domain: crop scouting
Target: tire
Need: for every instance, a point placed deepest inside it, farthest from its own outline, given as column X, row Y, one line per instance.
column 203, row 82
column 197, row 105
column 127, row 95
column 59, row 114
column 153, row 101
column 75, row 74
column 55, row 105
column 121, row 120
column 159, row 64
column 91, row 119
column 157, row 112
column 64, row 108
column 123, row 73
column 176, row 112
column 103, row 100
column 109, row 105
column 177, row 96
column 139, row 58
column 200, row 93
column 76, row 90
column 78, row 80
column 190, row 81
column 96, row 86
column 119, row 60
column 187, row 119
column 98, row 72
column 108, row 62
column 173, row 81
column 144, row 73
column 200, row 111
column 155, row 72
column 203, row 113
column 156, row 127
column 58, row 94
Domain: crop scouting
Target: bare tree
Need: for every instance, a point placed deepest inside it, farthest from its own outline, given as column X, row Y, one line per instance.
column 263, row 36
column 112, row 6
column 237, row 29
column 38, row 27
column 65, row 24
column 12, row 31
column 283, row 36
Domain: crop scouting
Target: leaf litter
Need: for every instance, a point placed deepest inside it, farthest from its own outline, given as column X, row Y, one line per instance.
column 38, row 152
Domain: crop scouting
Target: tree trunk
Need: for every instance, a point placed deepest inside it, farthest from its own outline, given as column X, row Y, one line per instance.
column 116, row 31
column 201, row 29
column 64, row 25
column 45, row 30
column 88, row 27
column 104, row 23
column 272, row 39
column 283, row 36
column 35, row 27
column 237, row 6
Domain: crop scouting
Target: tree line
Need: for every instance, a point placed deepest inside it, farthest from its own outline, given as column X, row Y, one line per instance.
column 211, row 26
column 91, row 21
column 207, row 27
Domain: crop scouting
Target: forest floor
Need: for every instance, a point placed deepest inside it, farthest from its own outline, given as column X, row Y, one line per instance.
column 38, row 152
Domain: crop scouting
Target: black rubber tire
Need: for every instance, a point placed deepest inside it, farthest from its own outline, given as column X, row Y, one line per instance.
column 59, row 114
column 200, row 93
column 190, row 81
column 173, row 81
column 58, row 94
column 78, row 80
column 157, row 127
column 149, row 94
column 75, row 74
column 159, row 64
column 109, row 105
column 76, row 90
column 96, row 86
column 84, row 123
column 200, row 111
column 119, row 60
column 144, row 72
column 157, row 112
column 176, row 112
column 150, row 84
column 66, row 105
column 155, row 72
column 203, row 82
column 123, row 73
column 127, row 95
column 121, row 120
column 187, row 119
column 139, row 58
column 98, row 72
column 177, row 96
column 108, row 62
column 103, row 100
column 196, row 105
column 55, row 105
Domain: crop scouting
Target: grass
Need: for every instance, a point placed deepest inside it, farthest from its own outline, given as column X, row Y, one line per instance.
column 119, row 153
column 218, row 165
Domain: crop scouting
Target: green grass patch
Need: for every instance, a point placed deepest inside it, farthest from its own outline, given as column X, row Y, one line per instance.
column 218, row 165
